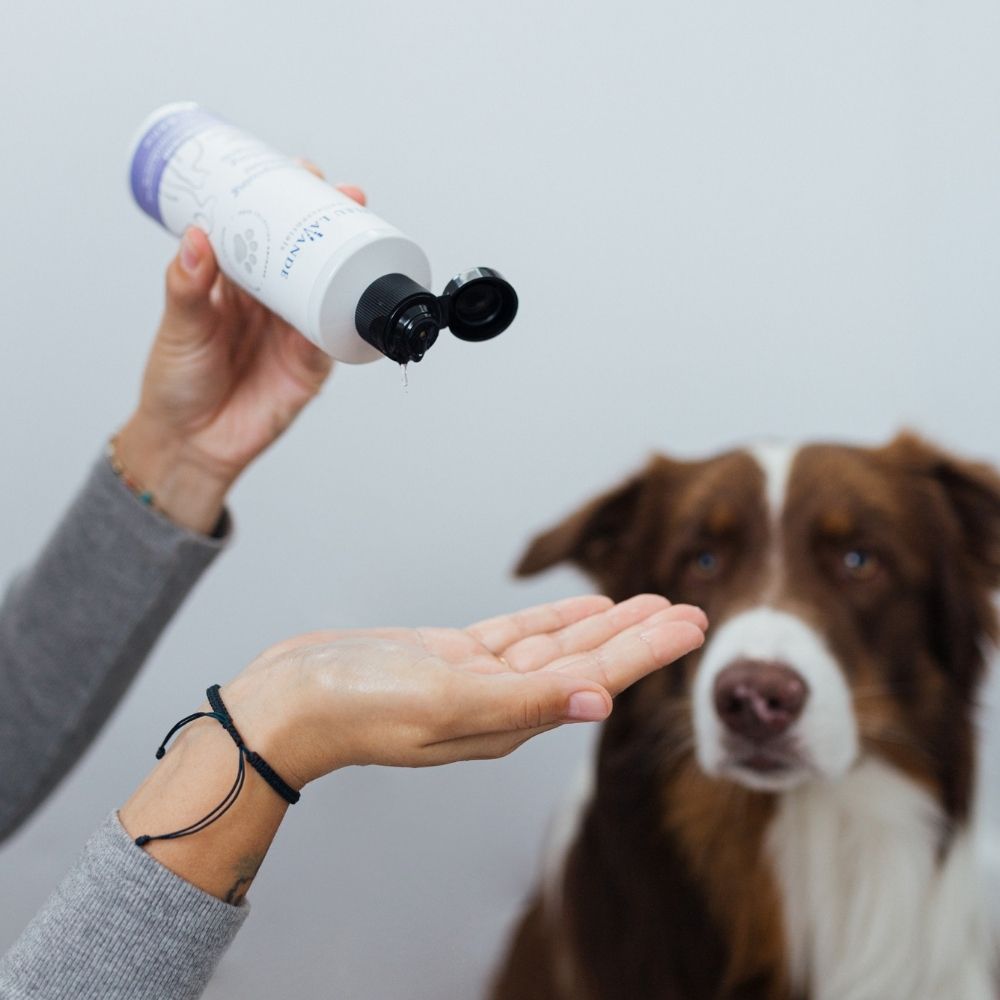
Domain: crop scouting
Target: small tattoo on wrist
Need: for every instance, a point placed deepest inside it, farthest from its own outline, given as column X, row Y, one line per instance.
column 245, row 870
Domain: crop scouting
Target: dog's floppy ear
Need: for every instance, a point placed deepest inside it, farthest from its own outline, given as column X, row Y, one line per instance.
column 964, row 501
column 972, row 493
column 601, row 535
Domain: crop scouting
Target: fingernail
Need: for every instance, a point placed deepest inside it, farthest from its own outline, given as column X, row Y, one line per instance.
column 587, row 706
column 190, row 255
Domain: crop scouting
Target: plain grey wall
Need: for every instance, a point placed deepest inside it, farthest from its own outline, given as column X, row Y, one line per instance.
column 725, row 219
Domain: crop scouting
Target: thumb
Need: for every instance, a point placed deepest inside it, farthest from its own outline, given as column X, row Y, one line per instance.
column 497, row 703
column 190, row 277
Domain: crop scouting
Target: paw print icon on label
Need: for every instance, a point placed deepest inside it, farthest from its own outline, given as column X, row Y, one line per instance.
column 245, row 250
column 244, row 247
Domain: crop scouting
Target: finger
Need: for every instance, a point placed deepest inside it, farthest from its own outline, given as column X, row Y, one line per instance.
column 513, row 703
column 237, row 298
column 190, row 278
column 488, row 747
column 353, row 192
column 636, row 652
column 539, row 650
column 308, row 164
column 243, row 328
column 496, row 634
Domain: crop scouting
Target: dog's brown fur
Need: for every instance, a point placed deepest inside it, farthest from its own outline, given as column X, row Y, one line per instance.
column 666, row 893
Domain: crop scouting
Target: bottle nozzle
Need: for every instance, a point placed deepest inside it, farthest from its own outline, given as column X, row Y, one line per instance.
column 399, row 317
column 402, row 319
column 413, row 334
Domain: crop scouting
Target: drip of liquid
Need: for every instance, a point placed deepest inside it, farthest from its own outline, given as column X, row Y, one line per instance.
column 406, row 378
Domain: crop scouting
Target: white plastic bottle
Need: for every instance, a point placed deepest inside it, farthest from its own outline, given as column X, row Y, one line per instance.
column 349, row 281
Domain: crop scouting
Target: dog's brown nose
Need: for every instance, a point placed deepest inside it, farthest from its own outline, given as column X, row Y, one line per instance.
column 759, row 699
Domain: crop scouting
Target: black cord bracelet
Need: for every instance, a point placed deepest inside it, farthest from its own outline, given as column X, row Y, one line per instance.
column 247, row 756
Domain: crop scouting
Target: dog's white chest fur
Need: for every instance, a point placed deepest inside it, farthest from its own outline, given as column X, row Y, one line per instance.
column 873, row 911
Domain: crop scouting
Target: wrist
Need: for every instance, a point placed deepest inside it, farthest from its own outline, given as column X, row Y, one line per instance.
column 221, row 858
column 182, row 485
column 268, row 721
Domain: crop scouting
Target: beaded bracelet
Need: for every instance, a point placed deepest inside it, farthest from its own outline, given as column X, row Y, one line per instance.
column 247, row 756
column 141, row 494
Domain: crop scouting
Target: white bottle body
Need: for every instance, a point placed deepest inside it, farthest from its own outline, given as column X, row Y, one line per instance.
column 291, row 240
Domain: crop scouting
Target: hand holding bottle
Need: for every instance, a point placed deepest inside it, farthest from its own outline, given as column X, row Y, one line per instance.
column 224, row 379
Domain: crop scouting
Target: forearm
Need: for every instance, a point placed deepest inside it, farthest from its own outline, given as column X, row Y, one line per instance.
column 194, row 777
column 120, row 926
column 154, row 921
column 76, row 627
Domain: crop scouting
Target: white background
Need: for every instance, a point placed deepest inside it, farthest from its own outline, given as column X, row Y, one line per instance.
column 726, row 220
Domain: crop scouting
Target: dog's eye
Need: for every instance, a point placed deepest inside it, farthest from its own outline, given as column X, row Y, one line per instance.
column 705, row 564
column 860, row 564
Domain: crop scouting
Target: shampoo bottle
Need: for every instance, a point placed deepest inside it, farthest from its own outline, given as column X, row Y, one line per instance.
column 349, row 281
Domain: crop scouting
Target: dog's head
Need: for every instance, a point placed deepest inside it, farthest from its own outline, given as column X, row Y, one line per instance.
column 849, row 591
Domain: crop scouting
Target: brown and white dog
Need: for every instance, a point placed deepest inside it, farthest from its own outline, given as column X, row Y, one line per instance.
column 788, row 814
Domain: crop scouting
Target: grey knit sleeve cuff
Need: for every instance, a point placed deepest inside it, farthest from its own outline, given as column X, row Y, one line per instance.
column 120, row 926
column 156, row 530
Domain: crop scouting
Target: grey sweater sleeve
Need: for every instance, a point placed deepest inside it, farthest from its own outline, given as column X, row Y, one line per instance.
column 120, row 927
column 76, row 627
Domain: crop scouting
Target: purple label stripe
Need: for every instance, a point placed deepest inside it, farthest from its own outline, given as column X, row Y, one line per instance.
column 156, row 148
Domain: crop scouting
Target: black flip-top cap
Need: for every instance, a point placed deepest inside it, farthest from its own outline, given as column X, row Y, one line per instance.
column 479, row 304
column 399, row 317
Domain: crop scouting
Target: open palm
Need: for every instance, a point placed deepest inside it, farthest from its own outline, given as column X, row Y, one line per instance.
column 426, row 696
